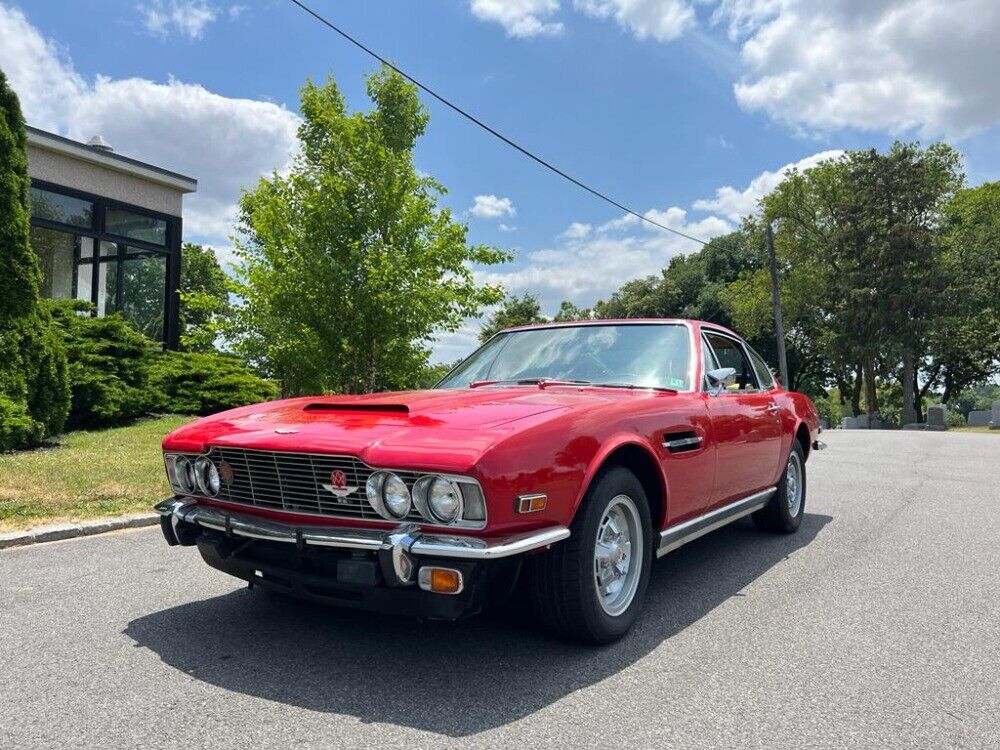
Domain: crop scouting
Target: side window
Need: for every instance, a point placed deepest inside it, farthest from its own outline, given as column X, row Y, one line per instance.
column 729, row 353
column 764, row 375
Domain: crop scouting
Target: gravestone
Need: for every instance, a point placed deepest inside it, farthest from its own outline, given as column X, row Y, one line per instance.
column 824, row 423
column 936, row 417
column 863, row 421
column 995, row 422
column 849, row 423
column 978, row 418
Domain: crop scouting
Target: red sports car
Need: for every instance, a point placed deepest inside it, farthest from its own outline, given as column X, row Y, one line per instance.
column 563, row 456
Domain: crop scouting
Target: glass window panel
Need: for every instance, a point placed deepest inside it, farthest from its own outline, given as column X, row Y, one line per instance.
column 135, row 226
column 62, row 208
column 764, row 375
column 55, row 257
column 729, row 353
column 85, row 270
column 656, row 356
column 107, row 279
column 144, row 285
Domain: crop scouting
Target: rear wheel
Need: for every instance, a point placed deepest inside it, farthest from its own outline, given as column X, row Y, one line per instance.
column 783, row 512
column 591, row 586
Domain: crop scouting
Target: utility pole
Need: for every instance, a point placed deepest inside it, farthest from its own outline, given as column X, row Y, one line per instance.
column 779, row 323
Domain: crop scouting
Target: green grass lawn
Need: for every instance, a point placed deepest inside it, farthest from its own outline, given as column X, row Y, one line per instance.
column 87, row 475
column 976, row 429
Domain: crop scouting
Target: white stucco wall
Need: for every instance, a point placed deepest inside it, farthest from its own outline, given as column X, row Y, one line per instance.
column 94, row 178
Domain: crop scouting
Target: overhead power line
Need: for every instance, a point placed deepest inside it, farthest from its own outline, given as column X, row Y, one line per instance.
column 492, row 131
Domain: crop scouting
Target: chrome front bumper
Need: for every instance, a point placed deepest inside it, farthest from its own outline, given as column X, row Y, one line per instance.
column 406, row 537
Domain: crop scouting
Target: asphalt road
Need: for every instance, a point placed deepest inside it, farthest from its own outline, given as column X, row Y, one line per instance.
column 876, row 626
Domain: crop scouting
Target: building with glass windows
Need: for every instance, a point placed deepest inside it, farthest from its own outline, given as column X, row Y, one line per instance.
column 107, row 229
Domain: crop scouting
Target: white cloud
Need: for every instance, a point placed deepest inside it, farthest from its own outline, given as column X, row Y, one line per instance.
column 734, row 204
column 592, row 267
column 507, row 228
column 521, row 18
column 225, row 143
column 187, row 17
column 492, row 207
column 897, row 66
column 661, row 20
column 576, row 231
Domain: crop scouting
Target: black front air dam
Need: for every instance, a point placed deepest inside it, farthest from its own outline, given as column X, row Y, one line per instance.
column 355, row 580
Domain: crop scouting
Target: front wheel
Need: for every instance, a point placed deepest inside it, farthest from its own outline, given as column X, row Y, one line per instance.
column 591, row 586
column 783, row 512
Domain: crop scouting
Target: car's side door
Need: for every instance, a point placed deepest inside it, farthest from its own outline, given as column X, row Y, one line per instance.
column 745, row 421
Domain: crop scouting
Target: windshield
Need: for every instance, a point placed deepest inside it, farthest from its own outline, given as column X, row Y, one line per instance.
column 644, row 355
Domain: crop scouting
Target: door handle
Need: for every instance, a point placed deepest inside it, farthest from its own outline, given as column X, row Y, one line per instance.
column 772, row 407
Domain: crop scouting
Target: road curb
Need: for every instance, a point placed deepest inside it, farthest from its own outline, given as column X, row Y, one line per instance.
column 55, row 532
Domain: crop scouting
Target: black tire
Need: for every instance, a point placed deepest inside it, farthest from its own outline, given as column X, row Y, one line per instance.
column 562, row 583
column 777, row 515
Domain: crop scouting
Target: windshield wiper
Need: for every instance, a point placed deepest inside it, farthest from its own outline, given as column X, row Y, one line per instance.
column 541, row 382
column 635, row 386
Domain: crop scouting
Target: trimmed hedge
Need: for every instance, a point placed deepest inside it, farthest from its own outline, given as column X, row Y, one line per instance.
column 193, row 383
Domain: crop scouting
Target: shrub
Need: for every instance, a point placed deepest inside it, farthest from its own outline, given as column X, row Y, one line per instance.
column 107, row 366
column 17, row 428
column 193, row 383
column 954, row 418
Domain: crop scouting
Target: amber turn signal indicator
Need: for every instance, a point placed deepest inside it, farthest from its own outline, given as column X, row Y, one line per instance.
column 531, row 503
column 441, row 580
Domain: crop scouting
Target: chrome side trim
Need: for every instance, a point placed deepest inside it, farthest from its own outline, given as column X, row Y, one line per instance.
column 373, row 540
column 681, row 534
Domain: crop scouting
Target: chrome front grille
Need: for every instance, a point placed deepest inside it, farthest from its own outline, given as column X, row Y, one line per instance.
column 294, row 482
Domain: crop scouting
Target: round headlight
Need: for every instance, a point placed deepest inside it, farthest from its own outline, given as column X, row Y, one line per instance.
column 395, row 496
column 185, row 474
column 207, row 475
column 444, row 499
column 388, row 495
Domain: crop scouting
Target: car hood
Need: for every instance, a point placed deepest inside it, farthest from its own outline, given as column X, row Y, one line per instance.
column 439, row 430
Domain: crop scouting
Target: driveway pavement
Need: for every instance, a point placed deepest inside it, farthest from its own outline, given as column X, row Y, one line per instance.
column 876, row 626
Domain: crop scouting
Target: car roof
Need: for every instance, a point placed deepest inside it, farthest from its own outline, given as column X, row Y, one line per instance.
column 625, row 321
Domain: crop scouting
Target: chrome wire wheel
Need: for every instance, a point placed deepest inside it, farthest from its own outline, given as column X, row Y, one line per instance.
column 793, row 484
column 618, row 555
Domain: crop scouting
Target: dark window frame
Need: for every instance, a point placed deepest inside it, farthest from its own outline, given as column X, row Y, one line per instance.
column 171, row 250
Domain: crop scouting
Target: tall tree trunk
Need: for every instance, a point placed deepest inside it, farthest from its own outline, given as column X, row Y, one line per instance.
column 946, row 396
column 909, row 414
column 871, row 397
column 856, row 391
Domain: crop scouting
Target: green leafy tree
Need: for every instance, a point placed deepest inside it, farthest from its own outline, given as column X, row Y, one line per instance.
column 347, row 266
column 513, row 311
column 569, row 312
column 34, row 391
column 204, row 292
column 863, row 264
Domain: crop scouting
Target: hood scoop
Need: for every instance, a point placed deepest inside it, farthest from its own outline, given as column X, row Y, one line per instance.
column 363, row 408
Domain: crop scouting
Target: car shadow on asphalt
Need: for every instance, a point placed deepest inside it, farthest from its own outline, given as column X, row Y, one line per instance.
column 455, row 679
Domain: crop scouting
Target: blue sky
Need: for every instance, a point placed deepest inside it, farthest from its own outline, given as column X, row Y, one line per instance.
column 688, row 109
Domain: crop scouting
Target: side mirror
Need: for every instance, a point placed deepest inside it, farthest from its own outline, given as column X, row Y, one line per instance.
column 717, row 379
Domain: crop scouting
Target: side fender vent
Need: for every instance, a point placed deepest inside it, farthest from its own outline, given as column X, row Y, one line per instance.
column 681, row 442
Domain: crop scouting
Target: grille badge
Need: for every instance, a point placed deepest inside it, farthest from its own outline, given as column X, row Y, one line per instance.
column 338, row 484
column 286, row 430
